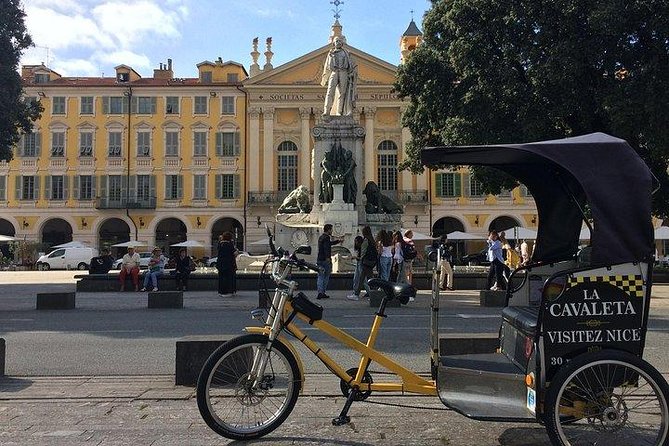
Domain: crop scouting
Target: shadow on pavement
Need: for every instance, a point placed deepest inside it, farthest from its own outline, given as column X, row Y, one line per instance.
column 8, row 384
column 524, row 436
column 298, row 440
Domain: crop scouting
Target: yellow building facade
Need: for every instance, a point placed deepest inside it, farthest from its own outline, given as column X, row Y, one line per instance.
column 164, row 159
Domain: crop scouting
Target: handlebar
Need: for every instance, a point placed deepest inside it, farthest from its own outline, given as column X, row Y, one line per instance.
column 311, row 266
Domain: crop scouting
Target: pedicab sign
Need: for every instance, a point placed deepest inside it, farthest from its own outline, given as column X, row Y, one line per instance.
column 604, row 311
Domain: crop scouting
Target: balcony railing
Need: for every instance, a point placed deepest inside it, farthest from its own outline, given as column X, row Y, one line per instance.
column 144, row 162
column 115, row 162
column 410, row 196
column 173, row 162
column 263, row 198
column 123, row 203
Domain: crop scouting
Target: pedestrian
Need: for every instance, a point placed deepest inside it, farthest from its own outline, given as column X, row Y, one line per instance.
column 324, row 260
column 410, row 254
column 156, row 269
column 506, row 255
column 130, row 265
column 101, row 264
column 512, row 259
column 446, row 264
column 184, row 266
column 357, row 243
column 496, row 262
column 384, row 245
column 368, row 260
column 398, row 259
column 525, row 253
column 226, row 264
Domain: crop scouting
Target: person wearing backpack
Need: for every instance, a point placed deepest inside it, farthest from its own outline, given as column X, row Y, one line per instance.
column 368, row 258
column 409, row 253
column 397, row 271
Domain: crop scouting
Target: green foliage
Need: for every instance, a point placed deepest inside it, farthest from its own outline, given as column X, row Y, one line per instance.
column 25, row 251
column 16, row 114
column 525, row 70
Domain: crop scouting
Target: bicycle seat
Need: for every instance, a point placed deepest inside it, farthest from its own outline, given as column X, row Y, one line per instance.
column 401, row 291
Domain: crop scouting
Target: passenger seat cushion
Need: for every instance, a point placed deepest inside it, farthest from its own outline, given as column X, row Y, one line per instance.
column 522, row 318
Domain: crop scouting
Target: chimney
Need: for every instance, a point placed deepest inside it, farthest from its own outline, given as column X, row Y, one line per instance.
column 164, row 71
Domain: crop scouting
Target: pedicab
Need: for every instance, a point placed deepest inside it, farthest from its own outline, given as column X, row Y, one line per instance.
column 572, row 333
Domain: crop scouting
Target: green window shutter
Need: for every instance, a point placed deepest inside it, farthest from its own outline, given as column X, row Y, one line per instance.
column 132, row 190
column 124, row 104
column 236, row 186
column 219, row 186
column 439, row 184
column 19, row 189
column 66, row 185
column 219, row 143
column 75, row 187
column 47, row 187
column 105, row 105
column 457, row 184
column 236, row 150
column 103, row 187
column 38, row 143
column 37, row 181
column 180, row 186
column 93, row 181
column 3, row 188
column 135, row 102
column 152, row 186
column 153, row 106
column 467, row 184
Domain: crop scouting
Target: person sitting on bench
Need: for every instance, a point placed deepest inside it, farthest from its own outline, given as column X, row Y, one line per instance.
column 101, row 264
column 130, row 265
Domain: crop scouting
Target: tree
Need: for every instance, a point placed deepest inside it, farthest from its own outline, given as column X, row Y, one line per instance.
column 16, row 113
column 525, row 70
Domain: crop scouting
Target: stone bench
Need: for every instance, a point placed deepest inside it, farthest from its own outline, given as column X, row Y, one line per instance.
column 191, row 354
column 489, row 298
column 467, row 343
column 55, row 301
column 2, row 357
column 166, row 299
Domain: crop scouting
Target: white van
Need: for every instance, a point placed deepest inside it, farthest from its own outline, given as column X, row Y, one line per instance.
column 67, row 258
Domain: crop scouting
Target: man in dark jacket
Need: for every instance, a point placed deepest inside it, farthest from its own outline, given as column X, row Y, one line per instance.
column 324, row 260
column 101, row 264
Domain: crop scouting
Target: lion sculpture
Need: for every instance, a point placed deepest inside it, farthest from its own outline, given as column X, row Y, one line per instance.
column 297, row 202
column 377, row 203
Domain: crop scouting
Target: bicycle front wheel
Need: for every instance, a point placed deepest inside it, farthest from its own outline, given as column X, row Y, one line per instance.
column 229, row 401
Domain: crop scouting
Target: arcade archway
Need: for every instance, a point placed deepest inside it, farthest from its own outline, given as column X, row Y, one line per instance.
column 227, row 225
column 112, row 231
column 56, row 231
column 446, row 225
column 503, row 222
column 168, row 232
column 6, row 228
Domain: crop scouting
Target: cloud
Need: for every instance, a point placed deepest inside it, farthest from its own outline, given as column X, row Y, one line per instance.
column 85, row 34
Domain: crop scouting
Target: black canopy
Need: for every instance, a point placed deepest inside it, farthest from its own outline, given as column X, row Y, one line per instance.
column 562, row 175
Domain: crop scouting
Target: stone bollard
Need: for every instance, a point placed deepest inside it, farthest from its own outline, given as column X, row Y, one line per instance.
column 166, row 299
column 2, row 357
column 192, row 352
column 55, row 301
column 489, row 298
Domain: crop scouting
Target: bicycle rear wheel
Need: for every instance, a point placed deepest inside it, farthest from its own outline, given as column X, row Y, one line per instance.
column 229, row 402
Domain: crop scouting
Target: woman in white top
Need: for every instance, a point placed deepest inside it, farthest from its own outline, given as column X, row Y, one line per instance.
column 384, row 244
column 398, row 258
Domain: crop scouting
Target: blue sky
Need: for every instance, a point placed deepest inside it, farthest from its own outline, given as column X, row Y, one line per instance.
column 90, row 37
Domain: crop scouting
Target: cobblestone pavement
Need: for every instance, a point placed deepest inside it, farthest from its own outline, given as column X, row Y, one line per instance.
column 150, row 410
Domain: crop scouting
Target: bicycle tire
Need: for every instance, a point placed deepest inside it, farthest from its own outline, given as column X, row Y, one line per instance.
column 226, row 371
column 606, row 387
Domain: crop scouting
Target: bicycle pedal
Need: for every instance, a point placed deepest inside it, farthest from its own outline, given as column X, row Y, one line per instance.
column 341, row 420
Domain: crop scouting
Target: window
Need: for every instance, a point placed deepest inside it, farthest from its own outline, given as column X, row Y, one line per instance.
column 200, row 143
column 85, row 187
column 173, row 187
column 171, row 143
column 58, row 106
column 143, row 143
column 31, row 144
column 387, row 165
column 199, row 187
column 114, row 105
column 55, row 189
column 172, row 105
column 115, row 188
column 227, row 143
column 58, row 144
column 287, row 166
column 227, row 186
column 475, row 187
column 228, row 105
column 114, row 144
column 3, row 188
column 206, row 77
column 28, row 187
column 200, row 105
column 448, row 184
column 86, row 144
column 143, row 188
column 145, row 105
column 86, row 105
column 42, row 78
column 233, row 78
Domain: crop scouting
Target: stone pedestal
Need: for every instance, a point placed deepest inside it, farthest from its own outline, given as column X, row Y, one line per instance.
column 56, row 301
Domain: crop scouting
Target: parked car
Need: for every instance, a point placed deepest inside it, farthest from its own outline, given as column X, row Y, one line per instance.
column 143, row 260
column 475, row 259
column 67, row 258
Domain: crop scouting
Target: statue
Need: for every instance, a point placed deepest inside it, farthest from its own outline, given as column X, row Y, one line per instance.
column 338, row 167
column 297, row 202
column 377, row 203
column 340, row 74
